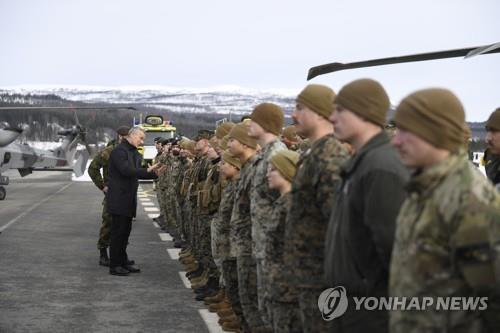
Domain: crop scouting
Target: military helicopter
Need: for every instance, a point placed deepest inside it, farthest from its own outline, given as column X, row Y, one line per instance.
column 27, row 159
column 468, row 52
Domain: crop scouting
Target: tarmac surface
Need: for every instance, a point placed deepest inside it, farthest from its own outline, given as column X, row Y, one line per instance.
column 50, row 280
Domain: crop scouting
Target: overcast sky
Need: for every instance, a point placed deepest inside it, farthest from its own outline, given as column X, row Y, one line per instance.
column 259, row 44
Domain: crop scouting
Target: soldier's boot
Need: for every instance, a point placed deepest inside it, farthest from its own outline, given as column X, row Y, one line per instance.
column 203, row 276
column 221, row 295
column 197, row 272
column 188, row 260
column 219, row 306
column 231, row 326
column 185, row 251
column 191, row 267
column 225, row 314
column 200, row 282
column 104, row 259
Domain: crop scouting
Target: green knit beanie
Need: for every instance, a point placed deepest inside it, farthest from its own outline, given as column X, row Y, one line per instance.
column 240, row 133
column 367, row 98
column 435, row 115
column 269, row 116
column 317, row 98
column 285, row 161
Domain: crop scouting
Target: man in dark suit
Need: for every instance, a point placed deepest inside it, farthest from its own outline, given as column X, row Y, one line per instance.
column 123, row 175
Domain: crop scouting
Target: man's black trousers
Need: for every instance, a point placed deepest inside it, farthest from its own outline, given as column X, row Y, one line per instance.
column 118, row 240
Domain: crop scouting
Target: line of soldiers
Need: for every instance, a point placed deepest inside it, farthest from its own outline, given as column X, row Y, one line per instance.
column 266, row 223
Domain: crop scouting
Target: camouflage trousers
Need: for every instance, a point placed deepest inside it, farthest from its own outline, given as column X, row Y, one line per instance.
column 284, row 317
column 179, row 216
column 103, row 241
column 172, row 214
column 163, row 208
column 263, row 286
column 230, row 273
column 310, row 316
column 247, row 284
column 186, row 218
column 205, row 245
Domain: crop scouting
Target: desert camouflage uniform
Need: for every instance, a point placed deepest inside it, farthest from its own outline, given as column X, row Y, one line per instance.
column 447, row 244
column 101, row 161
column 313, row 196
column 261, row 201
column 241, row 248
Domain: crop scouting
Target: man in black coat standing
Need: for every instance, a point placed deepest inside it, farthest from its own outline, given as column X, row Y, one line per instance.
column 123, row 175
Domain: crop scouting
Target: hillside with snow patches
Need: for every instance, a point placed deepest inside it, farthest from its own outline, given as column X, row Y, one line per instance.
column 217, row 100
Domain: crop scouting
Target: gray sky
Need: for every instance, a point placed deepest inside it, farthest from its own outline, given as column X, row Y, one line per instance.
column 259, row 44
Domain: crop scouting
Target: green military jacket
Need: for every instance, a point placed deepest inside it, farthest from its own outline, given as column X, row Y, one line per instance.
column 447, row 244
column 101, row 161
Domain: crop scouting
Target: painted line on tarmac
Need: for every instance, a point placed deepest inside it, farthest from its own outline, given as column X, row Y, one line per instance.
column 165, row 237
column 174, row 253
column 211, row 320
column 156, row 225
column 185, row 280
column 29, row 210
column 147, row 203
column 144, row 199
column 153, row 216
column 151, row 209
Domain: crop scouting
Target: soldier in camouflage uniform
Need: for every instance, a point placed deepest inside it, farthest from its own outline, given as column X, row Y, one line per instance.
column 101, row 162
column 186, row 162
column 313, row 195
column 163, row 183
column 230, row 170
column 265, row 127
column 492, row 153
column 448, row 230
column 282, row 307
column 244, row 148
column 290, row 138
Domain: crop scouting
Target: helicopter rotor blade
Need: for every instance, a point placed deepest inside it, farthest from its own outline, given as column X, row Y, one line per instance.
column 337, row 66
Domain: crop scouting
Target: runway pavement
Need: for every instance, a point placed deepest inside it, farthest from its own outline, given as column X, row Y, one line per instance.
column 50, row 280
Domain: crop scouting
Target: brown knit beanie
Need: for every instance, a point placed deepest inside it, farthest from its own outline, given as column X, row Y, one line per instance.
column 290, row 133
column 269, row 116
column 285, row 161
column 436, row 115
column 367, row 98
column 223, row 130
column 227, row 157
column 240, row 133
column 493, row 122
column 317, row 98
column 190, row 145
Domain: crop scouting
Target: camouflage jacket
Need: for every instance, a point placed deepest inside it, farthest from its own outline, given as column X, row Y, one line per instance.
column 209, row 196
column 177, row 170
column 220, row 224
column 241, row 226
column 163, row 178
column 200, row 172
column 447, row 238
column 273, row 263
column 101, row 161
column 313, row 195
column 262, row 197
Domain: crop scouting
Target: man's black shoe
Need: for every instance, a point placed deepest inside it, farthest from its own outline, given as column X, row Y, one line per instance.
column 130, row 262
column 118, row 271
column 132, row 269
column 104, row 261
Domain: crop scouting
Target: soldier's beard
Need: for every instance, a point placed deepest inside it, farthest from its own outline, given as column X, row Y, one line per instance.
column 175, row 153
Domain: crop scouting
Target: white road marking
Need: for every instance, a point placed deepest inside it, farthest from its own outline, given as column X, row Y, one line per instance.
column 144, row 199
column 153, row 216
column 174, row 253
column 211, row 320
column 147, row 203
column 165, row 237
column 156, row 225
column 185, row 280
column 29, row 210
column 151, row 209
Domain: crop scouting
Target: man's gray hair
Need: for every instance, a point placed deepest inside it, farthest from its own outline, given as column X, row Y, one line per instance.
column 136, row 129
